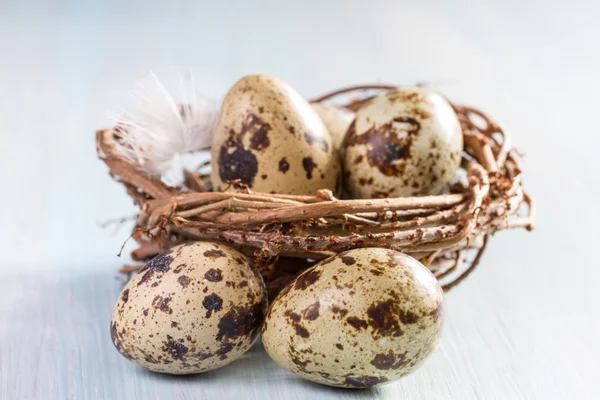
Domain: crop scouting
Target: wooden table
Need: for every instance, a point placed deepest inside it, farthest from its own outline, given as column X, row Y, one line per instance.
column 525, row 325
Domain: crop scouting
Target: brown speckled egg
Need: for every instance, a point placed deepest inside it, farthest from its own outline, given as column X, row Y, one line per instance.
column 336, row 120
column 191, row 309
column 271, row 139
column 402, row 143
column 359, row 319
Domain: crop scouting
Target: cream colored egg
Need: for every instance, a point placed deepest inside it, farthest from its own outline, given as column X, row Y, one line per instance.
column 194, row 308
column 336, row 120
column 271, row 139
column 362, row 318
column 402, row 143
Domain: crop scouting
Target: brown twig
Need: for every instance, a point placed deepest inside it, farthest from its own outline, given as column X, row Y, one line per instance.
column 436, row 229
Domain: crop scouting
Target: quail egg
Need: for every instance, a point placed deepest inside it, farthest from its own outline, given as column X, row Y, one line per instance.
column 270, row 139
column 362, row 318
column 402, row 143
column 336, row 120
column 194, row 308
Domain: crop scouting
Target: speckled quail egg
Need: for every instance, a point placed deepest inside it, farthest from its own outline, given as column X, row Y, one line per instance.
column 191, row 309
column 336, row 120
column 270, row 139
column 402, row 143
column 359, row 319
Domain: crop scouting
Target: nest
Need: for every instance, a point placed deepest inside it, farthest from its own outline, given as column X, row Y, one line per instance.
column 285, row 234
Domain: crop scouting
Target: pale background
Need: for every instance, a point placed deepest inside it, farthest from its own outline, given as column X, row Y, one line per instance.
column 526, row 325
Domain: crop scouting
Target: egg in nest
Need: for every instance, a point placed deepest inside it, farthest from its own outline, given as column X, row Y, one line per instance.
column 359, row 319
column 336, row 120
column 270, row 139
column 194, row 308
column 402, row 143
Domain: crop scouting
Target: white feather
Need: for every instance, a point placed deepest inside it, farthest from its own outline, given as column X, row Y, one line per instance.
column 160, row 128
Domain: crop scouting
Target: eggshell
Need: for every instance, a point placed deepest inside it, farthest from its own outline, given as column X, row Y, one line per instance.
column 271, row 139
column 402, row 143
column 336, row 120
column 362, row 318
column 194, row 308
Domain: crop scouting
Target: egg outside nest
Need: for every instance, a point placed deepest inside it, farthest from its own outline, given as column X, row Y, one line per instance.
column 363, row 318
column 194, row 308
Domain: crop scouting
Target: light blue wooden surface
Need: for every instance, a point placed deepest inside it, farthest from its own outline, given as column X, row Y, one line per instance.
column 524, row 326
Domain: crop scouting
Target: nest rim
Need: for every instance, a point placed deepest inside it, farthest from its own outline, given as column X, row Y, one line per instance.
column 438, row 230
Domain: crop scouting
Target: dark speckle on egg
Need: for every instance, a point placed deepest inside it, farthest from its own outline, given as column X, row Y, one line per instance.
column 235, row 162
column 309, row 165
column 386, row 147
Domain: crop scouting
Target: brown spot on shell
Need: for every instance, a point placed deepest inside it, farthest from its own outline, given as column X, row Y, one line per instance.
column 338, row 310
column 214, row 275
column 211, row 303
column 306, row 279
column 292, row 315
column 284, row 166
column 117, row 342
column 311, row 312
column 295, row 358
column 348, row 260
column 384, row 146
column 214, row 253
column 309, row 165
column 179, row 268
column 301, row 331
column 258, row 131
column 382, row 318
column 162, row 304
column 235, row 162
column 295, row 322
column 339, row 346
column 184, row 281
column 241, row 321
column 224, row 350
column 364, row 381
column 159, row 264
column 408, row 317
column 437, row 313
column 175, row 349
column 319, row 140
column 390, row 361
column 357, row 323
column 125, row 295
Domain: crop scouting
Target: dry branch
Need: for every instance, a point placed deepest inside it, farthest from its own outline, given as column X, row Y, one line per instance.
column 438, row 230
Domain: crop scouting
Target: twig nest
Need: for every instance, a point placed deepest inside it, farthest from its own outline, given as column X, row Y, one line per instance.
column 336, row 120
column 359, row 319
column 191, row 309
column 402, row 143
column 269, row 138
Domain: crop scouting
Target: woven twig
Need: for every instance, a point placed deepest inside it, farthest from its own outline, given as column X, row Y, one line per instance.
column 438, row 230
